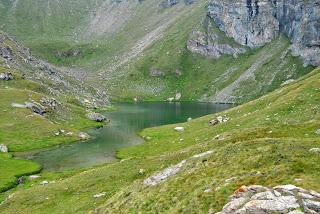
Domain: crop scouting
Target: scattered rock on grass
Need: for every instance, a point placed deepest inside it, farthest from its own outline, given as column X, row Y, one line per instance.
column 21, row 180
column 173, row 170
column 96, row 117
column 34, row 177
column 16, row 105
column 218, row 120
column 317, row 150
column 189, row 119
column 178, row 96
column 141, row 171
column 318, row 132
column 281, row 199
column 36, row 108
column 179, row 129
column 84, row 136
column 6, row 76
column 3, row 148
column 99, row 195
column 43, row 183
column 170, row 99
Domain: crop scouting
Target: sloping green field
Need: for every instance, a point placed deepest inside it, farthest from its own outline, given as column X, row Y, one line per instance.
column 264, row 142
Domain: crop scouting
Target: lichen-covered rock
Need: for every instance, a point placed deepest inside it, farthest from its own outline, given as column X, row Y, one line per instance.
column 280, row 199
column 255, row 23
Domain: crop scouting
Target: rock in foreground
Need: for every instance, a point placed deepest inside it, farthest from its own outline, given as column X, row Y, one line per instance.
column 280, row 199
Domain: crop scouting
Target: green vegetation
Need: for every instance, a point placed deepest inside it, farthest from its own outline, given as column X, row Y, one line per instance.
column 263, row 143
column 200, row 78
column 11, row 169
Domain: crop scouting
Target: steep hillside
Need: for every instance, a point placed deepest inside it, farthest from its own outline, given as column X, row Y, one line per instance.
column 151, row 50
column 40, row 107
column 263, row 142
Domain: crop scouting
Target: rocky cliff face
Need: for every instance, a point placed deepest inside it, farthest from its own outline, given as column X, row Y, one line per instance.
column 257, row 22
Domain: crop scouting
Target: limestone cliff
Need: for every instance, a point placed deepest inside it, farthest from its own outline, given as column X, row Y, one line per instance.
column 257, row 22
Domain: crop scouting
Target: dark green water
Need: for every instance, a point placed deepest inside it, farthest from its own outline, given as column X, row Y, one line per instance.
column 121, row 132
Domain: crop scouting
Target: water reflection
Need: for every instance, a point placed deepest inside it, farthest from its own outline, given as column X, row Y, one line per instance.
column 121, row 132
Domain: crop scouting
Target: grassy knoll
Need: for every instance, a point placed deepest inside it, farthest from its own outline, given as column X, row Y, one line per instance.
column 266, row 142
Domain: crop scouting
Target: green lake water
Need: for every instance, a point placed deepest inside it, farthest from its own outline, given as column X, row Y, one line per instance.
column 126, row 122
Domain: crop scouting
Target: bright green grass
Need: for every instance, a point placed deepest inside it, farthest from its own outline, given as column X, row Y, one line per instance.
column 11, row 169
column 255, row 149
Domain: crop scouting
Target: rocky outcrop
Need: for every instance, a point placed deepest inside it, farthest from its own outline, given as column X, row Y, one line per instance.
column 96, row 117
column 255, row 23
column 6, row 76
column 36, row 108
column 49, row 102
column 280, row 199
column 208, row 43
column 173, row 170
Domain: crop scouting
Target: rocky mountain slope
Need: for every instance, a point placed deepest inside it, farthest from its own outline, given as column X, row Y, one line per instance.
column 175, row 39
column 255, row 23
column 40, row 107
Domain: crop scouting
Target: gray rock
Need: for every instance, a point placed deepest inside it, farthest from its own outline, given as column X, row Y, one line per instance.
column 207, row 44
column 164, row 175
column 6, row 53
column 21, row 180
column 17, row 105
column 255, row 23
column 179, row 129
column 173, row 170
column 36, row 108
column 96, row 117
column 99, row 195
column 178, row 96
column 49, row 102
column 34, row 177
column 3, row 148
column 316, row 150
column 318, row 132
column 6, row 76
column 43, row 183
column 259, row 199
column 84, row 136
column 156, row 72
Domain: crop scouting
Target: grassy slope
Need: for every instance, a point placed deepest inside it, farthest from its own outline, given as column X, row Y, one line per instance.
column 50, row 26
column 263, row 143
column 22, row 130
column 202, row 77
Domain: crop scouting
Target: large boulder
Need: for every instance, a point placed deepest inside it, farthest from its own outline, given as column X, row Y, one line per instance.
column 96, row 117
column 280, row 199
